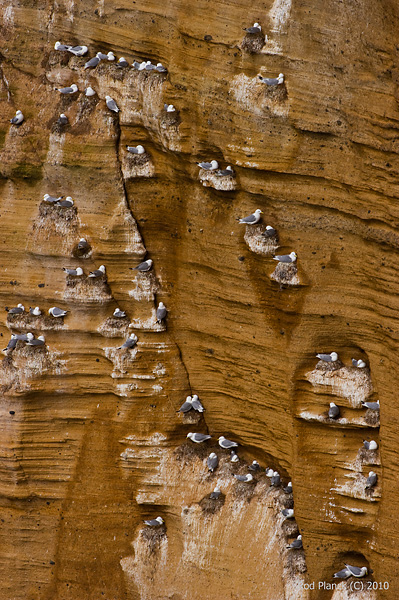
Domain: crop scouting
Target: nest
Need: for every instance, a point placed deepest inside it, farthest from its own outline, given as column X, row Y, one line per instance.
column 296, row 561
column 153, row 536
column 138, row 159
column 59, row 128
column 259, row 243
column 372, row 417
column 253, row 43
column 192, row 417
column 58, row 58
column 277, row 93
column 322, row 365
column 225, row 183
column 53, row 212
column 244, row 491
column 40, row 322
column 170, row 119
column 369, row 456
column 189, row 450
column 286, row 274
column 290, row 528
column 87, row 289
column 210, row 506
column 115, row 327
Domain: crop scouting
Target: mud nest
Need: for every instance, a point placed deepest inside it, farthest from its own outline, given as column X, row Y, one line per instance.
column 253, row 42
column 57, row 127
column 296, row 562
column 286, row 500
column 28, row 321
column 113, row 327
column 329, row 366
column 192, row 417
column 188, row 451
column 277, row 93
column 53, row 212
column 170, row 119
column 57, row 58
column 372, row 417
column 138, row 159
column 369, row 456
column 210, row 506
column 244, row 491
column 259, row 243
column 290, row 528
column 153, row 535
column 286, row 274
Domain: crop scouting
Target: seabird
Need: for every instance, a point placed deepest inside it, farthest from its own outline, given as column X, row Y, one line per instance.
column 196, row 404
column 35, row 342
column 256, row 28
column 198, row 438
column 17, row 120
column 102, row 55
column 209, row 166
column 11, row 344
column 110, row 56
column 61, row 47
column 57, row 312
column 17, row 310
column 343, row 574
column 269, row 231
column 78, row 50
column 142, row 65
column 100, row 272
column 286, row 258
column 89, row 92
column 160, row 68
column 212, row 461
column 288, row 489
column 122, row 62
column 23, row 337
column 234, row 456
column 62, row 119
column 370, row 445
column 154, row 522
column 272, row 81
column 357, row 571
column 144, row 266
column 73, row 272
column 119, row 314
column 371, row 480
column 68, row 90
column 83, row 244
column 161, row 312
column 371, row 405
column 288, row 513
column 93, row 62
column 269, row 472
column 36, row 312
column 244, row 478
column 333, row 411
column 252, row 219
column 275, row 480
column 149, row 66
column 296, row 544
column 52, row 199
column 255, row 466
column 186, row 406
column 67, row 203
column 130, row 342
column 111, row 104
column 215, row 495
column 169, row 108
column 227, row 172
column 332, row 357
column 360, row 364
column 136, row 64
column 226, row 444
column 135, row 149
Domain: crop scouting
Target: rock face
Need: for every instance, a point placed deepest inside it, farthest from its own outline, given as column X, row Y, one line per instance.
column 91, row 443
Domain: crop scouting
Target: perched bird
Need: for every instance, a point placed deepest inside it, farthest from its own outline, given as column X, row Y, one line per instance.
column 17, row 310
column 161, row 312
column 215, row 495
column 360, row 364
column 78, row 50
column 154, row 522
column 67, row 203
column 186, row 406
column 296, row 544
column 272, row 81
column 73, row 272
column 371, row 405
column 135, row 149
column 119, row 314
column 333, row 411
column 286, row 258
column 143, row 267
column 11, row 344
column 269, row 231
column 62, row 119
column 149, row 66
column 130, row 342
column 255, row 466
column 160, row 68
column 196, row 404
column 256, row 28
column 212, row 461
column 244, row 478
column 227, row 172
column 209, row 166
column 89, row 92
column 371, row 480
column 122, row 62
column 52, row 199
column 83, row 245
column 142, row 65
column 110, row 56
column 251, row 219
column 332, row 357
column 136, row 65
column 350, row 571
column 68, row 90
column 23, row 337
column 36, row 312
column 370, row 445
column 288, row 513
column 102, row 56
column 57, row 312
column 100, row 272
column 234, row 456
column 40, row 341
column 93, row 62
column 169, row 108
column 17, row 120
column 275, row 480
column 343, row 574
column 111, row 104
column 288, row 489
column 198, row 438
column 269, row 472
column 226, row 444
column 61, row 47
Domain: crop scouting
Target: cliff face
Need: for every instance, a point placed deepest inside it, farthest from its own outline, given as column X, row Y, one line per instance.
column 91, row 443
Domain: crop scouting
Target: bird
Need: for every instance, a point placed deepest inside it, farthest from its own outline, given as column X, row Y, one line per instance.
column 271, row 80
column 61, row 47
column 17, row 310
column 234, row 456
column 78, row 50
column 169, row 108
column 255, row 466
column 215, row 495
column 83, row 244
column 57, row 312
column 36, row 312
column 11, row 344
column 186, row 406
column 68, row 90
column 371, row 480
column 161, row 312
column 269, row 472
column 143, row 267
column 198, row 438
column 100, row 272
column 288, row 489
column 67, row 203
column 371, row 405
column 332, row 357
column 149, row 66
column 160, row 68
column 370, row 445
column 196, row 404
column 17, row 120
column 40, row 341
column 212, row 461
column 89, row 92
column 227, row 172
column 135, row 149
column 23, row 337
column 62, row 119
column 269, row 231
column 244, row 478
column 288, row 513
column 110, row 56
column 136, row 64
column 251, row 219
column 122, row 62
column 343, row 574
column 111, row 104
column 154, row 522
column 51, row 199
column 130, row 342
column 142, row 65
column 275, row 480
column 73, row 272
column 119, row 314
column 93, row 62
column 256, row 28
column 351, row 570
column 226, row 444
column 286, row 258
column 209, row 166
column 296, row 544
column 360, row 364
column 333, row 411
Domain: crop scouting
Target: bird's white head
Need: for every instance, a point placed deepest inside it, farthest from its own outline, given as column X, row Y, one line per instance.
column 258, row 212
column 111, row 56
column 101, row 268
column 293, row 256
column 217, row 490
column 63, row 116
column 99, row 55
column 256, row 25
column 188, row 399
column 41, row 338
column 170, row 108
column 18, row 112
column 289, row 484
column 221, row 438
column 57, row 45
column 160, row 520
column 36, row 310
column 82, row 240
column 229, row 168
column 212, row 455
column 161, row 305
column 79, row 271
column 299, row 537
column 195, row 397
column 122, row 59
column 108, row 98
column 214, row 164
column 132, row 336
column 140, row 149
column 334, row 356
column 159, row 65
column 280, row 77
column 149, row 261
column 189, row 435
column 332, row 404
column 69, row 199
column 89, row 91
column 30, row 336
column 373, row 445
column 371, row 474
column 21, row 306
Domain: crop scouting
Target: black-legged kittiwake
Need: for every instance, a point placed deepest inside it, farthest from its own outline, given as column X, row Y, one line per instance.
column 93, row 62
column 212, row 461
column 371, row 480
column 89, row 92
column 333, row 411
column 67, row 203
column 227, row 172
column 275, row 480
column 226, row 444
column 119, row 314
column 234, row 456
column 122, row 62
column 288, row 488
column 68, row 90
column 78, row 50
column 209, row 166
column 255, row 466
column 271, row 80
column 256, row 28
column 360, row 364
column 61, row 47
column 251, row 219
column 100, row 272
column 135, row 149
column 130, row 342
column 332, row 357
column 62, row 119
column 269, row 472
column 78, row 272
column 198, row 438
column 296, row 544
column 288, row 513
column 111, row 104
column 52, row 199
column 17, row 120
column 244, row 478
column 110, row 56
column 350, row 571
column 35, row 312
column 269, row 231
column 286, row 258
column 144, row 266
column 11, row 344
column 169, row 108
column 196, row 404
column 215, row 495
column 160, row 68
column 372, row 445
column 154, row 522
column 371, row 405
column 32, row 341
column 16, row 310
column 161, row 312
column 186, row 406
column 54, row 311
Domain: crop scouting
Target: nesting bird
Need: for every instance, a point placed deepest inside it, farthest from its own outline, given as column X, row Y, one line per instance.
column 52, row 199
column 288, row 513
column 73, row 272
column 62, row 119
column 154, row 522
column 35, row 312
column 212, row 461
column 57, row 312
column 144, row 266
column 360, row 364
column 371, row 405
column 286, row 258
column 93, row 62
column 209, row 166
column 32, row 341
column 68, row 90
column 350, row 571
column 198, row 438
column 256, row 28
column 135, row 149
column 122, row 62
column 215, row 495
column 275, row 480
column 251, row 219
column 333, row 411
column 372, row 445
column 255, row 466
column 226, row 444
column 89, row 92
column 78, row 50
column 227, row 172
column 288, row 488
column 271, row 81
column 119, row 314
column 111, row 104
column 186, row 406
column 161, row 312
column 160, row 68
column 17, row 310
column 234, row 456
column 130, row 342
column 11, row 344
column 67, row 203
column 296, row 544
column 244, row 478
column 100, row 272
column 196, row 404
column 332, row 357
column 269, row 231
column 371, row 480
column 17, row 120
column 61, row 47
column 83, row 245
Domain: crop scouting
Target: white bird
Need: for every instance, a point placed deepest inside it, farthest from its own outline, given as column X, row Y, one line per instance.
column 256, row 28
column 370, row 445
column 212, row 461
column 255, row 466
column 272, row 81
column 17, row 120
column 130, row 342
column 161, row 312
column 169, row 108
column 110, row 56
column 333, row 411
column 51, row 199
column 89, row 91
column 251, row 219
column 93, row 62
column 275, row 480
column 111, row 104
column 288, row 489
column 234, row 456
column 68, row 90
column 269, row 231
column 135, row 149
column 67, row 203
column 17, row 310
column 296, row 544
column 78, row 50
column 196, row 404
column 288, row 513
column 360, row 364
column 40, row 341
column 73, row 272
column 11, row 344
column 122, row 62
column 332, row 357
column 227, row 172
column 371, row 405
column 186, row 406
column 286, row 258
column 357, row 571
column 160, row 68
column 269, row 472
column 371, row 480
column 36, row 312
column 57, row 312
column 100, row 272
column 209, row 166
column 198, row 438
column 143, row 267
column 119, row 314
column 61, row 47
column 226, row 444
column 244, row 478
column 142, row 66
column 154, row 522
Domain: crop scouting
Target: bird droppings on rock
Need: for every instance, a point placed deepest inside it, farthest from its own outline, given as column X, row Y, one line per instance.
column 54, row 229
column 34, row 323
column 153, row 536
column 351, row 383
column 122, row 360
column 146, row 286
